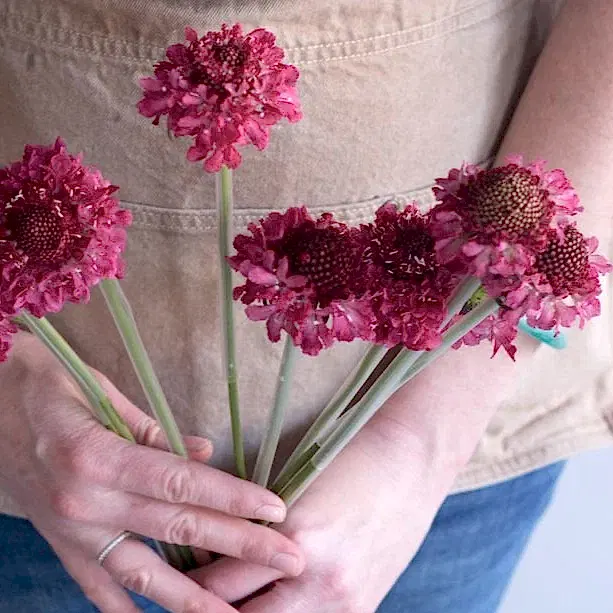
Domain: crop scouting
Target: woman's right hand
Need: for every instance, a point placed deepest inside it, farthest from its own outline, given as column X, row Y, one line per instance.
column 81, row 485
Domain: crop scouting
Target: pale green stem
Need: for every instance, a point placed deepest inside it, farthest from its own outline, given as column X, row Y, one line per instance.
column 117, row 303
column 268, row 448
column 126, row 325
column 374, row 398
column 327, row 420
column 90, row 386
column 332, row 411
column 225, row 207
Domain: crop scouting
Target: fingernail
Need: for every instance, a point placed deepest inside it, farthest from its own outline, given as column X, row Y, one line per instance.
column 287, row 563
column 270, row 512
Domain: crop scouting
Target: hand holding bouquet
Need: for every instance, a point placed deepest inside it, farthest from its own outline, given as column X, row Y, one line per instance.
column 499, row 248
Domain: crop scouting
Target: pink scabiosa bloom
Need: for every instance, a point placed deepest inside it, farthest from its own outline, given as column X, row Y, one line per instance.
column 7, row 330
column 303, row 276
column 565, row 283
column 409, row 288
column 225, row 89
column 497, row 220
column 61, row 230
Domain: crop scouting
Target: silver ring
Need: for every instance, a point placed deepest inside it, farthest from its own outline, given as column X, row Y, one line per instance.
column 104, row 554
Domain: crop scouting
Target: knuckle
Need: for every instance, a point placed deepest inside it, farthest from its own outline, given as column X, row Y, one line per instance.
column 184, row 529
column 177, row 486
column 67, row 505
column 148, row 432
column 137, row 580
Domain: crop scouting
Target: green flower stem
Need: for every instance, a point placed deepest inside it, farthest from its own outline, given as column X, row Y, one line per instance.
column 299, row 462
column 268, row 448
column 332, row 411
column 126, row 325
column 224, row 216
column 374, row 398
column 296, row 486
column 179, row 556
column 376, row 355
column 90, row 386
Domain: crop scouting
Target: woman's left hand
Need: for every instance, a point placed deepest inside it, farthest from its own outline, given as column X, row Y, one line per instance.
column 359, row 525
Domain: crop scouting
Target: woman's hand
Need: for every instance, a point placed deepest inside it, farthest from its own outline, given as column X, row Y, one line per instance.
column 81, row 486
column 362, row 521
column 359, row 525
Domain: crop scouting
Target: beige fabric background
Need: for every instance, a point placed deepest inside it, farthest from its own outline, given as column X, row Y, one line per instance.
column 394, row 93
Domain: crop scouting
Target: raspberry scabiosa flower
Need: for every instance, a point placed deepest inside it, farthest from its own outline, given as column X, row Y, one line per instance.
column 497, row 220
column 565, row 284
column 225, row 89
column 409, row 287
column 61, row 230
column 303, row 276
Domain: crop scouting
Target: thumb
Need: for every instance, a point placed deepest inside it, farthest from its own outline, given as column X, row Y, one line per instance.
column 146, row 430
column 231, row 579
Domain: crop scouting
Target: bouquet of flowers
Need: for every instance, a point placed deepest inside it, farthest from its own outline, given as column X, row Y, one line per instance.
column 499, row 250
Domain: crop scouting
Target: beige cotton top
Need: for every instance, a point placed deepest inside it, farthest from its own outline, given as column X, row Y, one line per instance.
column 394, row 93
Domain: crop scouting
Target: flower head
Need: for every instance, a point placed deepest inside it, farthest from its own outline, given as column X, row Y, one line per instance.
column 409, row 288
column 565, row 282
column 7, row 330
column 497, row 220
column 224, row 89
column 303, row 276
column 61, row 230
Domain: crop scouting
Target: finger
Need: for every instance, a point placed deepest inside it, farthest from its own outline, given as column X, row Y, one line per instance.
column 204, row 528
column 173, row 479
column 234, row 580
column 139, row 569
column 147, row 431
column 97, row 585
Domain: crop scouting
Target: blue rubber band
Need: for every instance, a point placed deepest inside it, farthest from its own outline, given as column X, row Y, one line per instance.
column 549, row 337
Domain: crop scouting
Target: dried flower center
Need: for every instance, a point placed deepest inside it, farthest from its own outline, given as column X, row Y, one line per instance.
column 224, row 64
column 326, row 258
column 565, row 264
column 506, row 199
column 405, row 252
column 38, row 232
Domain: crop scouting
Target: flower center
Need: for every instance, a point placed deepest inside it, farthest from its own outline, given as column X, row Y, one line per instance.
column 326, row 258
column 38, row 232
column 405, row 252
column 506, row 199
column 223, row 64
column 565, row 264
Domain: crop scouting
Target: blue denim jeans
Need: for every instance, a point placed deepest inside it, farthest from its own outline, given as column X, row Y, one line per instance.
column 463, row 566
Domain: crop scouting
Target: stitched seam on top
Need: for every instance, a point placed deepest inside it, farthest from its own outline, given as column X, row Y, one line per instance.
column 397, row 33
column 365, row 39
column 423, row 32
column 198, row 221
column 202, row 220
